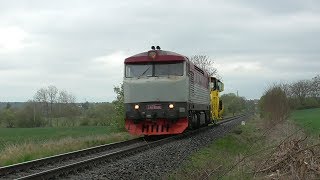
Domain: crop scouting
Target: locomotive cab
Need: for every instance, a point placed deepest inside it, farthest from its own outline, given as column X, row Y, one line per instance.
column 154, row 93
column 165, row 93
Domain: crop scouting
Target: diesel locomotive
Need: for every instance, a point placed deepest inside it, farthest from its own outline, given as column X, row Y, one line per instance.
column 165, row 93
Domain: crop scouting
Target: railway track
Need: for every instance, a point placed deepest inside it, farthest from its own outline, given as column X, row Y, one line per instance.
column 73, row 162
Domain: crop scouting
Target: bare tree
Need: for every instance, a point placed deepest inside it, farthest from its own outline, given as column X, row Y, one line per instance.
column 52, row 96
column 286, row 89
column 301, row 90
column 315, row 87
column 67, row 106
column 55, row 103
column 71, row 98
column 63, row 96
column 204, row 62
column 52, row 93
column 41, row 96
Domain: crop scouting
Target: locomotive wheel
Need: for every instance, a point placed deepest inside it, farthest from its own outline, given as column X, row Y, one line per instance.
column 196, row 120
column 207, row 119
column 190, row 118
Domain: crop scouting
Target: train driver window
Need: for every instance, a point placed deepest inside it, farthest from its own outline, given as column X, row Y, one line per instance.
column 138, row 70
column 174, row 69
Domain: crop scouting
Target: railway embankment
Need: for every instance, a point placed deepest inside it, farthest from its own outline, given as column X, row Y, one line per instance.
column 159, row 161
column 64, row 165
column 289, row 149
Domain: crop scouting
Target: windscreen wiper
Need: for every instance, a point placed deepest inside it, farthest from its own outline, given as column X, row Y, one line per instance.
column 144, row 72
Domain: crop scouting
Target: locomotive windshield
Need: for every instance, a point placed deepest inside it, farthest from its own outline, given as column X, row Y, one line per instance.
column 138, row 70
column 157, row 69
column 174, row 69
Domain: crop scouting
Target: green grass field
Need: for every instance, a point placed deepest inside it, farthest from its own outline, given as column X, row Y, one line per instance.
column 309, row 119
column 9, row 136
column 25, row 144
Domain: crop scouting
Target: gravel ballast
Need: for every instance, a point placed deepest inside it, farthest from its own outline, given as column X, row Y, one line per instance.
column 159, row 161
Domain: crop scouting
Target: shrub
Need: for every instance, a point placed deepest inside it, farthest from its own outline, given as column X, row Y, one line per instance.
column 274, row 105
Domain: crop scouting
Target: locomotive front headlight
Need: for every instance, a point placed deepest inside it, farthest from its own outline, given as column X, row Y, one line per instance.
column 136, row 106
column 171, row 106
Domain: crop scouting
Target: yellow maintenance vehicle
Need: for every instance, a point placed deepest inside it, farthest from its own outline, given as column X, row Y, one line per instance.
column 216, row 86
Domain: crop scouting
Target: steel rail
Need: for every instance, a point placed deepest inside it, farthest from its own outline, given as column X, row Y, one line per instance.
column 110, row 157
column 65, row 156
column 225, row 120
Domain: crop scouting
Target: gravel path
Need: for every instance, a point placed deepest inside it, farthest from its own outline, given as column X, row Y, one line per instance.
column 159, row 161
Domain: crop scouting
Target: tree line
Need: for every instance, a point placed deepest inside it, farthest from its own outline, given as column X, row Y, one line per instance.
column 51, row 107
column 303, row 94
column 234, row 104
column 53, row 103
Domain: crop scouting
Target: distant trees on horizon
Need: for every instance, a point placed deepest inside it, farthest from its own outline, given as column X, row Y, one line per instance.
column 303, row 94
column 53, row 107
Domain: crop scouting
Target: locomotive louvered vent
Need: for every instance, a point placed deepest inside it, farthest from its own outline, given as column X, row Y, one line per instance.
column 198, row 69
column 191, row 75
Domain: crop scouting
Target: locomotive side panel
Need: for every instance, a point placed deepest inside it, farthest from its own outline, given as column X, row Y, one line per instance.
column 199, row 92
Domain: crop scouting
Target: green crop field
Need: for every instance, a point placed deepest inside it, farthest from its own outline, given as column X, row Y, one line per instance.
column 309, row 119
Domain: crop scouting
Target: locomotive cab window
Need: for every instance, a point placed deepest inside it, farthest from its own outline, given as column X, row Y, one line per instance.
column 172, row 69
column 138, row 70
column 157, row 69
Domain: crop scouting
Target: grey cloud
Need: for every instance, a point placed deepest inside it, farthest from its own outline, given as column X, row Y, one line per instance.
column 66, row 36
column 281, row 7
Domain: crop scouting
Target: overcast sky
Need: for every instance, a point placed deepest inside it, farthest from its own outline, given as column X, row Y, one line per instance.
column 80, row 46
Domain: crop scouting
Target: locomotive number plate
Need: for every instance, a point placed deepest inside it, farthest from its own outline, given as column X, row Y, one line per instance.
column 154, row 106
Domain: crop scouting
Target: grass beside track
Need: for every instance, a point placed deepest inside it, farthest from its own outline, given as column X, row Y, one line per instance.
column 212, row 161
column 220, row 160
column 24, row 144
column 14, row 136
column 309, row 119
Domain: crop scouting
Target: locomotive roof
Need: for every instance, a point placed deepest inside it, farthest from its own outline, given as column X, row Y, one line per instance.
column 162, row 56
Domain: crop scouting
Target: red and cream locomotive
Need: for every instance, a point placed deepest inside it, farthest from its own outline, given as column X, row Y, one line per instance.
column 164, row 93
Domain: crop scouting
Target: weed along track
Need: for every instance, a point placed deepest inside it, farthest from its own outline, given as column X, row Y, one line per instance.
column 74, row 163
